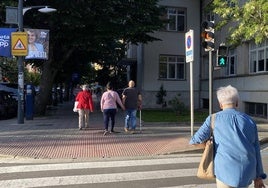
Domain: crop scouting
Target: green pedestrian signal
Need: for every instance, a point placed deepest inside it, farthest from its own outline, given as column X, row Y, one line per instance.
column 222, row 61
column 222, row 54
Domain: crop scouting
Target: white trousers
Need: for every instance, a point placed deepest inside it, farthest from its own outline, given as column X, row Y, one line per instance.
column 83, row 118
column 220, row 184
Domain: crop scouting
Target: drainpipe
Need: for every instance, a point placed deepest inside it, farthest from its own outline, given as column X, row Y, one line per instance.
column 140, row 66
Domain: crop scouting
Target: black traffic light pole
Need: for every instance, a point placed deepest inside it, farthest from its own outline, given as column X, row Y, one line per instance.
column 208, row 44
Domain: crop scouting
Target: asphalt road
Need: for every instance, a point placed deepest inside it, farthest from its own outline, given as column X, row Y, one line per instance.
column 166, row 171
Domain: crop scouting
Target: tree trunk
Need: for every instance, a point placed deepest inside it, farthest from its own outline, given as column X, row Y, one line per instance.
column 47, row 80
column 46, row 83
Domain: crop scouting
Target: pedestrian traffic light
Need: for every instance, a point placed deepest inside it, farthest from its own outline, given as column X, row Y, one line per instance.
column 222, row 56
column 208, row 35
column 222, row 61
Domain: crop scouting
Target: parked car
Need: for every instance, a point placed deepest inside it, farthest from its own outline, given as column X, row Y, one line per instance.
column 8, row 105
column 10, row 87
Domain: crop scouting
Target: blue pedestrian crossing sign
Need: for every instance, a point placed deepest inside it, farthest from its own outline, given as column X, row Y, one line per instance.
column 189, row 43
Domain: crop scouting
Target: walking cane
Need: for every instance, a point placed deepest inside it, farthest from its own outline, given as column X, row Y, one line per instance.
column 140, row 121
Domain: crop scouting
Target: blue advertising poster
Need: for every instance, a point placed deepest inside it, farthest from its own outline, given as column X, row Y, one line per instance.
column 5, row 41
column 38, row 43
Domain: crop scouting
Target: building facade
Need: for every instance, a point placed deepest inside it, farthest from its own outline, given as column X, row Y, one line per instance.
column 163, row 63
column 247, row 70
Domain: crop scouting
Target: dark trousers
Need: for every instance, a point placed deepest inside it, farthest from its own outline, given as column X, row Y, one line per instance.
column 107, row 115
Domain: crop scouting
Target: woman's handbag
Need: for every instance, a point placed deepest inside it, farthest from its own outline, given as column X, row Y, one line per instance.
column 75, row 106
column 206, row 165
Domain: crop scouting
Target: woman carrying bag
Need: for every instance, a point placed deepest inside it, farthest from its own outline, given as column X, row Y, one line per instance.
column 237, row 158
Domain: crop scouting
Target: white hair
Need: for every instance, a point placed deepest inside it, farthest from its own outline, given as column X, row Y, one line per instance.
column 227, row 95
column 85, row 87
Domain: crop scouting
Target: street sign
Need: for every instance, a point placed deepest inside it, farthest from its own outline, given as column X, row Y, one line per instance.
column 19, row 44
column 11, row 15
column 189, row 43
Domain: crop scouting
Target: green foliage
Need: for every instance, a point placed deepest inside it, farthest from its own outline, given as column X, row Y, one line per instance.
column 177, row 106
column 32, row 77
column 160, row 96
column 9, row 69
column 87, row 31
column 249, row 20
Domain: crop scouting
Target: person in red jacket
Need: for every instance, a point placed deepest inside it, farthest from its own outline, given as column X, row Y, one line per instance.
column 85, row 105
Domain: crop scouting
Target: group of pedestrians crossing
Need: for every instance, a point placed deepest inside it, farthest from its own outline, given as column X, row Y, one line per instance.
column 110, row 100
column 237, row 157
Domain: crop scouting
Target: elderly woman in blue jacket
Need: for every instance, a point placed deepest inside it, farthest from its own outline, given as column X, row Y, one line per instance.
column 237, row 159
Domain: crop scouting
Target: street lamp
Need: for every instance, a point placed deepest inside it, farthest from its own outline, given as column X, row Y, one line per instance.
column 43, row 9
column 21, row 12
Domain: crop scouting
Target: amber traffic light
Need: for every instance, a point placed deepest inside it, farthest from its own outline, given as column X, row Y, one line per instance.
column 208, row 35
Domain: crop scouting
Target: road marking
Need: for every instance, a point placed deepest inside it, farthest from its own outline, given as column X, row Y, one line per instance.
column 212, row 185
column 102, row 164
column 33, row 180
column 99, row 178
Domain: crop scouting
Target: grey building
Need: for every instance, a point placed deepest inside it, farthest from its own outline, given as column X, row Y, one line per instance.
column 163, row 63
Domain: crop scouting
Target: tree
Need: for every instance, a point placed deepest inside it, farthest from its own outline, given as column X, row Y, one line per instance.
column 249, row 18
column 99, row 30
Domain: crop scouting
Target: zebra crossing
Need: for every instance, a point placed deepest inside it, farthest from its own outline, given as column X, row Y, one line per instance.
column 159, row 172
column 176, row 171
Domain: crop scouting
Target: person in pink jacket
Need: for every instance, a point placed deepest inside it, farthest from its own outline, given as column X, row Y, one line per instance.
column 85, row 105
column 108, row 103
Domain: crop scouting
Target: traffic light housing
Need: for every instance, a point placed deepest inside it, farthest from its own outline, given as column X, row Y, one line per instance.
column 208, row 35
column 222, row 56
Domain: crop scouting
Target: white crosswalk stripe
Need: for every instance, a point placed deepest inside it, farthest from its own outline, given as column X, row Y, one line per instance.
column 107, row 164
column 75, row 174
column 100, row 178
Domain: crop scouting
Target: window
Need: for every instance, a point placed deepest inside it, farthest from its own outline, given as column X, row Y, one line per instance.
column 172, row 67
column 177, row 19
column 258, row 57
column 232, row 62
column 256, row 109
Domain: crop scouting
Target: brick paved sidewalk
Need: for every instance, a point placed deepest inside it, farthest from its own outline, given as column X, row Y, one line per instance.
column 56, row 136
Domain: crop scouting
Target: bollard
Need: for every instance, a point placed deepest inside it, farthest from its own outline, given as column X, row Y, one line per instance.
column 29, row 102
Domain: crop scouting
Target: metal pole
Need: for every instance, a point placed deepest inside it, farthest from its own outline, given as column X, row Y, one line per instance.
column 192, row 97
column 20, row 70
column 210, row 83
